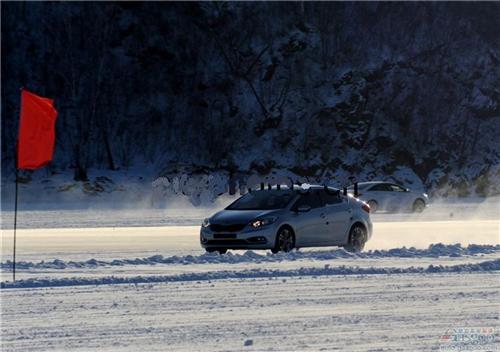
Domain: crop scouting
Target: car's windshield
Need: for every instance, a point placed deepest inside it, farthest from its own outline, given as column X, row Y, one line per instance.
column 263, row 200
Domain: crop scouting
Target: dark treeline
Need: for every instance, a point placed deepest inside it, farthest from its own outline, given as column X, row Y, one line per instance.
column 256, row 86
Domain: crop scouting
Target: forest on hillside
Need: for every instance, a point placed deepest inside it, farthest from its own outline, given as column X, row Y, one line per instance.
column 362, row 88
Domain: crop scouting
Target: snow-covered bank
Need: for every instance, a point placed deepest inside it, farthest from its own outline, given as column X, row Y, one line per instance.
column 486, row 266
column 433, row 251
column 141, row 190
column 128, row 189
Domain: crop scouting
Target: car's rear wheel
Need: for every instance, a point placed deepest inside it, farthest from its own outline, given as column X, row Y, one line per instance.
column 220, row 250
column 357, row 239
column 373, row 205
column 285, row 240
column 418, row 206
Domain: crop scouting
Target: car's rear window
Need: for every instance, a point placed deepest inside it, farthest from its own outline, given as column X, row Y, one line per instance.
column 263, row 200
column 361, row 186
column 382, row 187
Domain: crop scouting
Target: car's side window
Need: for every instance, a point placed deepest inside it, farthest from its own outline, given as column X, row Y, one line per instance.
column 330, row 198
column 397, row 188
column 311, row 198
column 381, row 187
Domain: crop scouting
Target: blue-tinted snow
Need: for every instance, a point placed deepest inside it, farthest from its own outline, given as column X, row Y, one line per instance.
column 485, row 266
column 433, row 251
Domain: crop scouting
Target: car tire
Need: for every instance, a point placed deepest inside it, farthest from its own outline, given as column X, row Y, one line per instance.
column 285, row 240
column 373, row 205
column 418, row 206
column 357, row 239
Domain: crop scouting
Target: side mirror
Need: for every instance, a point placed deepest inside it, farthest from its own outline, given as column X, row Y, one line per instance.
column 303, row 208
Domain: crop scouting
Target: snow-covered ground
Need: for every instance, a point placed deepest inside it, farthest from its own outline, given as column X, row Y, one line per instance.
column 94, row 284
column 397, row 312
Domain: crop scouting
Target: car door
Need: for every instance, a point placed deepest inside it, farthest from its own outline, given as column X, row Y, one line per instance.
column 310, row 227
column 401, row 199
column 382, row 194
column 338, row 213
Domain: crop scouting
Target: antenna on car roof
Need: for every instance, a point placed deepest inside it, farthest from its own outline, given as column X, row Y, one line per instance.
column 355, row 184
column 269, row 186
column 278, row 186
column 262, row 186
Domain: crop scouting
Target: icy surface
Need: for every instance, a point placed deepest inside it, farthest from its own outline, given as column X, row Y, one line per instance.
column 300, row 313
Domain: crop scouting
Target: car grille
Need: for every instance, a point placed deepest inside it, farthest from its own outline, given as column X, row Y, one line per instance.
column 227, row 228
column 234, row 242
column 224, row 235
column 227, row 242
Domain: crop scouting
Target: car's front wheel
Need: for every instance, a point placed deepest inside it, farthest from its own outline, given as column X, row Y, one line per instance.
column 357, row 239
column 418, row 206
column 285, row 240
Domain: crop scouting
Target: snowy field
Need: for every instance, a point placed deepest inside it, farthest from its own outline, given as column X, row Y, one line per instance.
column 105, row 281
column 305, row 313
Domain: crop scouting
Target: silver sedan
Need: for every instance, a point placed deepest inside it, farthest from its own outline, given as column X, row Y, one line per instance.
column 283, row 219
column 390, row 197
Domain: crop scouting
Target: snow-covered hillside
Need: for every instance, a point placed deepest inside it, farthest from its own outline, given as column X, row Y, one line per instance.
column 403, row 91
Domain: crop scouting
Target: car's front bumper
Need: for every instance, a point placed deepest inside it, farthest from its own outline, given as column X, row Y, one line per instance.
column 245, row 239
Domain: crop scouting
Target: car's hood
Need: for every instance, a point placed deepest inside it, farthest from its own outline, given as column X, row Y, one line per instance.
column 228, row 217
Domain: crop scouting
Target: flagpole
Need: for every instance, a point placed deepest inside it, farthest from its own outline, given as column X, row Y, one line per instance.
column 15, row 228
column 15, row 204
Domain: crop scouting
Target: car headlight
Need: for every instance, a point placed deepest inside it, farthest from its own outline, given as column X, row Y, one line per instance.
column 262, row 222
column 206, row 223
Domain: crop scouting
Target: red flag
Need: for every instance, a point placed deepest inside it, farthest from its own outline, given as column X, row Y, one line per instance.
column 36, row 131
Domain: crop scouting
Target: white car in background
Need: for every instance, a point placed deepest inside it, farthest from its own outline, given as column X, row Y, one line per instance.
column 390, row 197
